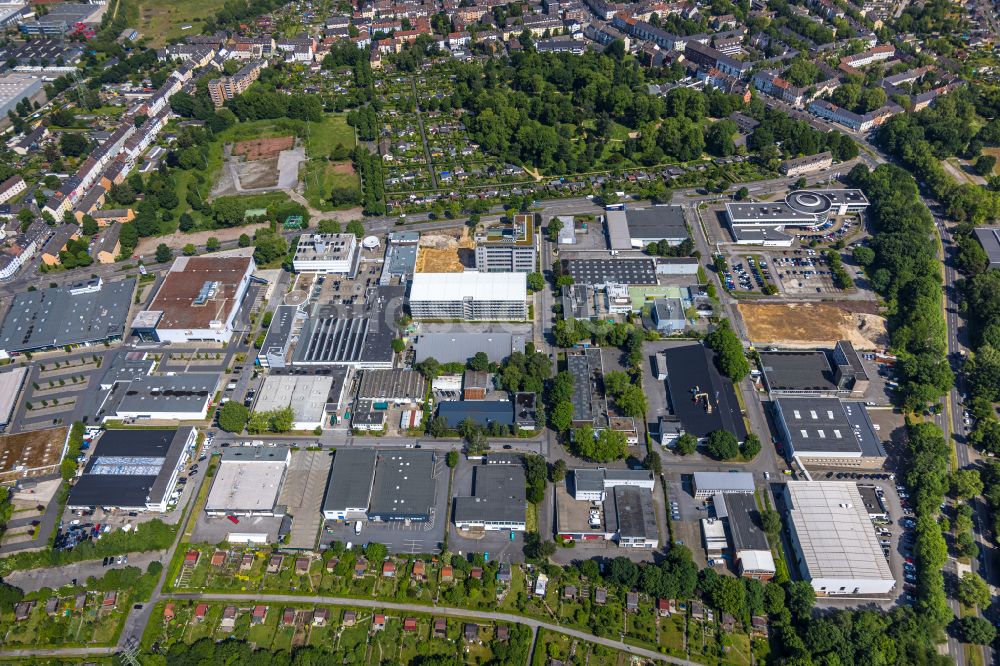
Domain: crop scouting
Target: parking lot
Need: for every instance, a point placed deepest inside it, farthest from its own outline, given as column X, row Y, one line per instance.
column 498, row 544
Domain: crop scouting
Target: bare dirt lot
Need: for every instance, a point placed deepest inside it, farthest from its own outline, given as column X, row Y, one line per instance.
column 449, row 251
column 258, row 173
column 259, row 149
column 814, row 324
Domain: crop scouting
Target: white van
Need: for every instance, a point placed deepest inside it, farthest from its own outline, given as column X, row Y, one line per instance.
column 357, row 527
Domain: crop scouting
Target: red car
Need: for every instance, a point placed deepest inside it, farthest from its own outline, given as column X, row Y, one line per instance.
column 234, row 520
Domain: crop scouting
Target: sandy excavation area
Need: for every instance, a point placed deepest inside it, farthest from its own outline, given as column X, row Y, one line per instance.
column 447, row 251
column 809, row 325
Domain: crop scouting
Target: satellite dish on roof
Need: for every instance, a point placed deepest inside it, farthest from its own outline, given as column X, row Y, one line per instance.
column 370, row 242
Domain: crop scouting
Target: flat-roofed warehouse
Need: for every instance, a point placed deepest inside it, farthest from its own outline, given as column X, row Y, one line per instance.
column 751, row 551
column 248, row 481
column 460, row 347
column 633, row 518
column 598, row 272
column 815, row 373
column 198, row 300
column 182, row 397
column 349, row 489
column 354, row 341
column 834, row 544
column 307, row 396
column 405, row 486
column 11, row 383
column 707, row 484
column 497, row 501
column 32, row 454
column 693, row 382
column 92, row 311
column 274, row 349
column 399, row 386
column 133, row 469
column 638, row 227
column 829, row 432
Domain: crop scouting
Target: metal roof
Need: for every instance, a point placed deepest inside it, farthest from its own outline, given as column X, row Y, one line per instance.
column 724, row 482
column 498, row 495
column 129, row 468
column 472, row 285
column 633, row 512
column 351, row 477
column 834, row 533
column 307, row 395
column 612, row 271
column 744, row 522
column 405, row 485
column 482, row 412
column 249, row 479
column 821, row 426
column 393, row 384
column 460, row 347
column 57, row 317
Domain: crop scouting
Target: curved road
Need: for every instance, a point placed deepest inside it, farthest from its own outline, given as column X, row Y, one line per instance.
column 436, row 610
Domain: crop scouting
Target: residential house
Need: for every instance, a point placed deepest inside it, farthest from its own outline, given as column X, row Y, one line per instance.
column 503, row 632
column 378, row 622
column 218, row 558
column 168, row 612
column 301, row 566
column 389, row 569
column 410, row 624
column 288, row 617
column 274, row 564
column 11, row 187
column 759, row 625
column 247, row 562
column 471, row 632
column 350, row 618
column 632, row 602
column 228, row 622
column 663, row 607
column 440, row 628
column 360, row 566
column 447, row 574
column 258, row 615
column 601, row 596
column 321, row 616
column 418, row 572
column 569, row 592
column 52, row 606
column 110, row 601
column 57, row 243
column 200, row 611
column 191, row 558
column 22, row 610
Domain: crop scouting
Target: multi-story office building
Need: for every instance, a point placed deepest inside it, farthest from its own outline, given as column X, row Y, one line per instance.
column 507, row 248
column 469, row 296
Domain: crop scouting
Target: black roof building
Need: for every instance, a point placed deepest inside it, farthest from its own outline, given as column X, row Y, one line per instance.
column 405, row 486
column 693, row 379
column 132, row 469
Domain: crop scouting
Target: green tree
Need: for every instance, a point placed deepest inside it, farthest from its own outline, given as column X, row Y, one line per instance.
column 562, row 416
column 233, row 417
column 608, row 445
column 687, row 444
column 800, row 599
column 329, row 227
column 189, row 250
column 163, row 253
column 452, row 458
column 966, row 484
column 398, row 345
column 653, row 463
column 973, row 590
column 771, row 522
column 976, row 630
column 751, row 447
column 479, row 362
column 212, row 244
column 245, row 240
column 730, row 358
column 357, row 228
column 558, row 471
column 722, row 445
column 535, row 282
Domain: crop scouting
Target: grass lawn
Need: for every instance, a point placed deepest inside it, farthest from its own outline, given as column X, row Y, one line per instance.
column 672, row 634
column 162, row 21
column 322, row 176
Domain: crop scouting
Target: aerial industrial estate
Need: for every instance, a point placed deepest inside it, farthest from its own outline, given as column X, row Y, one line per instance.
column 445, row 333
